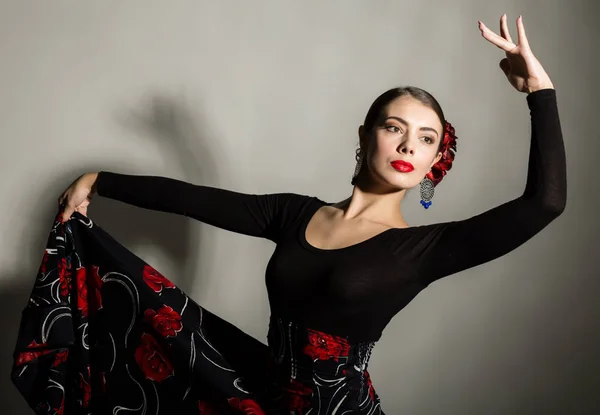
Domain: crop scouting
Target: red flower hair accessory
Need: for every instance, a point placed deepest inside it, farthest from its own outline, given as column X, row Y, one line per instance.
column 439, row 169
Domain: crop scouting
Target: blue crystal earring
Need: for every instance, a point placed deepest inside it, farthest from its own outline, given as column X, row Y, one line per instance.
column 426, row 192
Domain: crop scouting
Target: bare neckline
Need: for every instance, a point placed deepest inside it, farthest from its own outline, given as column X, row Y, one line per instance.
column 310, row 247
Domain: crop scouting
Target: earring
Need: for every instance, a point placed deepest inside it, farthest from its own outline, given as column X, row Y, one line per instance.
column 427, row 190
column 359, row 162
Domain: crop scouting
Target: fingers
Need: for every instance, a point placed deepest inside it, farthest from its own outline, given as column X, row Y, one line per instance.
column 504, row 40
column 496, row 39
column 82, row 210
column 521, row 33
column 63, row 203
column 76, row 197
column 69, row 209
column 504, row 28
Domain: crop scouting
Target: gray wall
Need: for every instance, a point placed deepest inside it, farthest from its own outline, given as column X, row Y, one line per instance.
column 267, row 96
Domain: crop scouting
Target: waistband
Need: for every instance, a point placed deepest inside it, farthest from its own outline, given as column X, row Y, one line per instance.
column 306, row 360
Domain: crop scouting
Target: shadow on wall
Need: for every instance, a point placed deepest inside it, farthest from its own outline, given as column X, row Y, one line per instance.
column 168, row 122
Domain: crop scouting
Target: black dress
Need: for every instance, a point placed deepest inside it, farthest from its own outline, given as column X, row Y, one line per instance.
column 105, row 332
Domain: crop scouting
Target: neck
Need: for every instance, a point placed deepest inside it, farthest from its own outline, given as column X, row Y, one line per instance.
column 374, row 204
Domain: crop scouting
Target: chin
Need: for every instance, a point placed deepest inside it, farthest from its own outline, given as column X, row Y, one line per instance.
column 393, row 180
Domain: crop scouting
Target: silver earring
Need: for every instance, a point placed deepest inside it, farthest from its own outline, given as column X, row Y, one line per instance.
column 359, row 161
column 427, row 190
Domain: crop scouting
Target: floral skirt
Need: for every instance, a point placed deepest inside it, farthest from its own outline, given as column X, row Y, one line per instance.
column 105, row 333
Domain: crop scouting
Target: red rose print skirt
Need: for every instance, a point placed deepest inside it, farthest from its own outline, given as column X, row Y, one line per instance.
column 105, row 333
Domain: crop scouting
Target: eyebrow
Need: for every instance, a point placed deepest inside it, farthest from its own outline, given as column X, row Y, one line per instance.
column 405, row 123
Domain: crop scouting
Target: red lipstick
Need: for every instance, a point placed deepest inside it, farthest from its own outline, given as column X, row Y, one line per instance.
column 402, row 166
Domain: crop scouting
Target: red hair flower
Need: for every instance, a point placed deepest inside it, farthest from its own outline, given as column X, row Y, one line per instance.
column 439, row 169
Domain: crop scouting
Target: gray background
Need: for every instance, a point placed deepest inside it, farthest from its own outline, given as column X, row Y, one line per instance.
column 267, row 96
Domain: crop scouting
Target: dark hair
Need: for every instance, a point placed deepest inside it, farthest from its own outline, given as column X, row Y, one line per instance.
column 379, row 106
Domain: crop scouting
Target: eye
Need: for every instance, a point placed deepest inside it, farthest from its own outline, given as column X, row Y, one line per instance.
column 431, row 140
column 395, row 129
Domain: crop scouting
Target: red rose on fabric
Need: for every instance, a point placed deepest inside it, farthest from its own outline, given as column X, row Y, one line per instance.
column 64, row 277
column 86, row 389
column 82, row 292
column 28, row 356
column 60, row 357
column 206, row 408
column 247, row 406
column 151, row 359
column 439, row 169
column 324, row 346
column 86, row 283
column 370, row 385
column 95, row 284
column 166, row 321
column 61, row 409
column 297, row 396
column 44, row 261
column 155, row 279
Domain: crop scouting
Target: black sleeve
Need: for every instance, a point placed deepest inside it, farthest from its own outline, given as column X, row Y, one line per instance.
column 464, row 244
column 248, row 214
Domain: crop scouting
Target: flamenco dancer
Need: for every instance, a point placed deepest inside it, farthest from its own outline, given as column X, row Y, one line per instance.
column 105, row 332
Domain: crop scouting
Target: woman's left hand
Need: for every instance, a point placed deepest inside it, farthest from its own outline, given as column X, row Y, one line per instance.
column 522, row 69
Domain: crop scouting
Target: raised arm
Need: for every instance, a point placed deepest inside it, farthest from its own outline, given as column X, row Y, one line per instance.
column 248, row 214
column 464, row 244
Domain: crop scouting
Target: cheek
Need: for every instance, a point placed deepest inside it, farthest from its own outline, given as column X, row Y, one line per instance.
column 375, row 158
column 381, row 150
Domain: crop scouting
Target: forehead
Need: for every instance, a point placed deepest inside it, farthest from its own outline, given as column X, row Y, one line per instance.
column 414, row 112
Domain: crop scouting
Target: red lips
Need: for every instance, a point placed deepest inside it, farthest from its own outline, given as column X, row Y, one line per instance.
column 402, row 166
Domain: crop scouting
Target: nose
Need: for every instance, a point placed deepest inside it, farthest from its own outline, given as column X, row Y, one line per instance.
column 406, row 147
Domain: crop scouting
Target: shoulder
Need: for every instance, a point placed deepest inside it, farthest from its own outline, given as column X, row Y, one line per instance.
column 415, row 241
column 290, row 203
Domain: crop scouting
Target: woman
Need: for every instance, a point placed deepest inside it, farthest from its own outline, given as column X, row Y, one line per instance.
column 341, row 271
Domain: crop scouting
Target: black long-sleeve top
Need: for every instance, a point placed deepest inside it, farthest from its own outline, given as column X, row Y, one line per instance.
column 356, row 290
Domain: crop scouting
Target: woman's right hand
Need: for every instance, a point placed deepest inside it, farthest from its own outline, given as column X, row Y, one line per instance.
column 78, row 195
